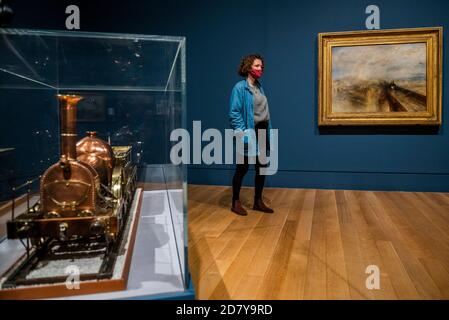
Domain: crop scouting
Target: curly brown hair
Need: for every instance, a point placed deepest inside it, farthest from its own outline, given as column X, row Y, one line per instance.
column 247, row 62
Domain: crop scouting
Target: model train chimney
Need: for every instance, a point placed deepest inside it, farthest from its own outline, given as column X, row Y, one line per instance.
column 67, row 116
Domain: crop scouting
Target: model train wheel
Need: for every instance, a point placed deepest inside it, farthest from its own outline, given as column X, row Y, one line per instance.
column 37, row 242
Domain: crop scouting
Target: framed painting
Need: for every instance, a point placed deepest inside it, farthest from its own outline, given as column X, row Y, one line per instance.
column 380, row 77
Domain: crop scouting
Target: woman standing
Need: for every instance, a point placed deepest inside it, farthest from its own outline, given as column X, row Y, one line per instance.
column 249, row 110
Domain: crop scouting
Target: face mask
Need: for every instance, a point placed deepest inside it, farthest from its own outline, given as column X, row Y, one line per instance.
column 256, row 73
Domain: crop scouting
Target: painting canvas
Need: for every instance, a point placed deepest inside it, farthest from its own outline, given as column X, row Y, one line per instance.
column 380, row 77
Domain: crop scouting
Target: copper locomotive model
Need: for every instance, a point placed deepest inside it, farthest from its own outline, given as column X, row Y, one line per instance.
column 86, row 194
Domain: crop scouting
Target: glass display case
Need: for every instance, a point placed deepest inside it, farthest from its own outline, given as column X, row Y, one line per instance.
column 123, row 94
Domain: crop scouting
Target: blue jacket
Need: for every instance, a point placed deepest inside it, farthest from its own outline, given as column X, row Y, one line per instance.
column 241, row 112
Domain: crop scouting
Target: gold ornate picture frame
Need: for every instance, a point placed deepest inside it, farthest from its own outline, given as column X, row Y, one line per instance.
column 380, row 77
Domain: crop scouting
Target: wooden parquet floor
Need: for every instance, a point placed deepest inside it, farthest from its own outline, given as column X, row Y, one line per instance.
column 318, row 244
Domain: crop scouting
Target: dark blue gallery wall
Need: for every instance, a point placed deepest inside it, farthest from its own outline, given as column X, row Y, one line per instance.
column 285, row 32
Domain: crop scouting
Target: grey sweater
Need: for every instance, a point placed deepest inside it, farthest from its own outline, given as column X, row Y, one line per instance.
column 261, row 112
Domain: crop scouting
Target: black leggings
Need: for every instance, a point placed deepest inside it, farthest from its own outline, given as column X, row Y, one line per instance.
column 242, row 169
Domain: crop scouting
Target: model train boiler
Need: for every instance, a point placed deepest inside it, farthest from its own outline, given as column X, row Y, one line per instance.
column 86, row 194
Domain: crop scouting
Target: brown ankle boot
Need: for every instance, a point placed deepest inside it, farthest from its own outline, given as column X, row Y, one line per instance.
column 238, row 208
column 260, row 206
